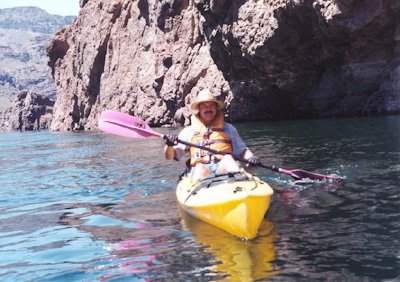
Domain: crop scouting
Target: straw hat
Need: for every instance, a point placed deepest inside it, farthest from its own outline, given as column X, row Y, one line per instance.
column 206, row 96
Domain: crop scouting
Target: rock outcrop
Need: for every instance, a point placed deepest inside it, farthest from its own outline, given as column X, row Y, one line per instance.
column 265, row 59
column 30, row 111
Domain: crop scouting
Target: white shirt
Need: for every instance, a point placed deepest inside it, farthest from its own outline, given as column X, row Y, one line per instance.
column 238, row 146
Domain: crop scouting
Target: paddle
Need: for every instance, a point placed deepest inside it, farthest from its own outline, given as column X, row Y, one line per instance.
column 129, row 126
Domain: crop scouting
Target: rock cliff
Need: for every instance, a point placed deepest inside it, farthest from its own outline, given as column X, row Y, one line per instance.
column 30, row 111
column 265, row 59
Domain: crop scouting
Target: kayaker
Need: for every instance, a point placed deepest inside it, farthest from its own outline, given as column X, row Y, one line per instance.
column 209, row 129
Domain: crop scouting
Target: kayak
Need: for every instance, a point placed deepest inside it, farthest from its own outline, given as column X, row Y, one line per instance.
column 235, row 202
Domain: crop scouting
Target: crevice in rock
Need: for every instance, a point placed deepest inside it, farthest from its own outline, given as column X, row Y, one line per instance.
column 170, row 11
column 93, row 88
column 167, row 62
column 128, row 15
column 116, row 12
column 143, row 6
column 82, row 3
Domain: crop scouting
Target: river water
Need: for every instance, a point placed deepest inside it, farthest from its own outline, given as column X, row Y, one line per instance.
column 90, row 206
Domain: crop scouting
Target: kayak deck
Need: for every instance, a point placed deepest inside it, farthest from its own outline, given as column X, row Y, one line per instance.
column 234, row 202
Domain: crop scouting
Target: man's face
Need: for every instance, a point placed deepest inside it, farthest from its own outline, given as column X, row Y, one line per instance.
column 207, row 111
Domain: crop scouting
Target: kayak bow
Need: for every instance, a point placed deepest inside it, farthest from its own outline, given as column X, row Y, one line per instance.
column 234, row 202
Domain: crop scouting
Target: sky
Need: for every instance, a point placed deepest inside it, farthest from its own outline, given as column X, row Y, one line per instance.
column 54, row 7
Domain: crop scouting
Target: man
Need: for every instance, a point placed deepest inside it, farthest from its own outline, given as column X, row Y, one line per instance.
column 208, row 129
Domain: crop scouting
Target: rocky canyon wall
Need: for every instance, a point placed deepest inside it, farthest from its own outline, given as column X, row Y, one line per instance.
column 29, row 111
column 265, row 59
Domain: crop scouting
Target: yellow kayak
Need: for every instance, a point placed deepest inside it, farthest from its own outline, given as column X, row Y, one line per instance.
column 234, row 202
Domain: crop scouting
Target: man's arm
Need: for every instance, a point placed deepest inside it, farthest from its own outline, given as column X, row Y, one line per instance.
column 169, row 152
column 239, row 147
column 179, row 150
column 247, row 154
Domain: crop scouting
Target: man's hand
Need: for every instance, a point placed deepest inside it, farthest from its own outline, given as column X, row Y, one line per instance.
column 171, row 139
column 254, row 160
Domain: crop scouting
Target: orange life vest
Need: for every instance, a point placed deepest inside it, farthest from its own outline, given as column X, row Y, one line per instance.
column 212, row 136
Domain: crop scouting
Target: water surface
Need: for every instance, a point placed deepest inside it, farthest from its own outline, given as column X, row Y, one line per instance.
column 90, row 206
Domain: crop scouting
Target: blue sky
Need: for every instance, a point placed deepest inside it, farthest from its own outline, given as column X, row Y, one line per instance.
column 54, row 7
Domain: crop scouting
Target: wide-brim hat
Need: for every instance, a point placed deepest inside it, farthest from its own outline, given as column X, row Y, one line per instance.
column 206, row 96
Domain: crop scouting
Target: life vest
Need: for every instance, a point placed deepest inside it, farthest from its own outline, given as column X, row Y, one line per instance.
column 212, row 136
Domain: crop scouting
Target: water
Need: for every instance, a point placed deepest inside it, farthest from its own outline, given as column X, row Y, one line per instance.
column 90, row 206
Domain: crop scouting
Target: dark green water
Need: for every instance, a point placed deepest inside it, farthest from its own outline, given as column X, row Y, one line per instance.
column 90, row 206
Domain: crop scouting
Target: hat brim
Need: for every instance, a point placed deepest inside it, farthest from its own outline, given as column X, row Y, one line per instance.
column 220, row 104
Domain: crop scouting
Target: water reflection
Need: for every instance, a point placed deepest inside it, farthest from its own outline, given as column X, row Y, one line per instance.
column 136, row 234
column 235, row 259
column 156, row 240
column 304, row 201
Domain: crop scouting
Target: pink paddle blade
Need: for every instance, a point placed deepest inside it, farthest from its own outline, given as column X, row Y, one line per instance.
column 125, row 125
column 123, row 118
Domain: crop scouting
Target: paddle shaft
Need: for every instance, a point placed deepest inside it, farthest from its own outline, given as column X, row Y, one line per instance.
column 296, row 173
column 238, row 158
column 130, row 126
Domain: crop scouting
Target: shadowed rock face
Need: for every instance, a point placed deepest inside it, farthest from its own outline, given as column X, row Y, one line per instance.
column 281, row 59
column 30, row 111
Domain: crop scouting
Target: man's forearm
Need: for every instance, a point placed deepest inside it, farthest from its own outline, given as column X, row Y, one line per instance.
column 246, row 154
column 169, row 152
